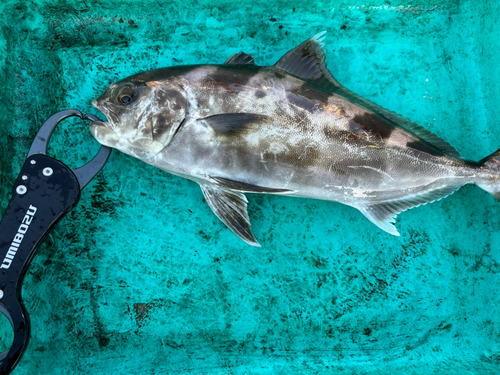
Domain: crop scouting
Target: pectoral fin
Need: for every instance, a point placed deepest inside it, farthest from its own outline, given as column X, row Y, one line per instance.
column 229, row 124
column 231, row 208
column 248, row 188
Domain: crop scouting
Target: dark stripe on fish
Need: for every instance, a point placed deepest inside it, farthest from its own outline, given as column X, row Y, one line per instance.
column 301, row 102
column 374, row 125
column 260, row 94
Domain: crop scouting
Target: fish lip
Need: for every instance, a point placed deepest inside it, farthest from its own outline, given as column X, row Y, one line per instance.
column 113, row 120
column 104, row 124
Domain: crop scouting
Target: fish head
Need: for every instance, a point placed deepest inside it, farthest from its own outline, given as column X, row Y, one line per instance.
column 142, row 116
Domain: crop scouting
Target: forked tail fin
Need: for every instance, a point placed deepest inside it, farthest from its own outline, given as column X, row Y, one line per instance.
column 491, row 163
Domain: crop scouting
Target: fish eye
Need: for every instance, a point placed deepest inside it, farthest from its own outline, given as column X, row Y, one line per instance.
column 126, row 95
column 125, row 99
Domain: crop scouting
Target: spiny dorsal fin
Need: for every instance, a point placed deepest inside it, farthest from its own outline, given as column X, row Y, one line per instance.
column 308, row 62
column 384, row 214
column 231, row 208
column 240, row 59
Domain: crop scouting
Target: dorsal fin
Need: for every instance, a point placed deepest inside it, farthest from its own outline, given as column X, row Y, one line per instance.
column 241, row 58
column 308, row 62
column 424, row 134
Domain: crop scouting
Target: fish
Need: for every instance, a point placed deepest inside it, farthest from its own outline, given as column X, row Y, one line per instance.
column 288, row 129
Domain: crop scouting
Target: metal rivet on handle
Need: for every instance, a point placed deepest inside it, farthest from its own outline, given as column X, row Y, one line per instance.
column 1, row 293
column 24, row 177
column 33, row 162
column 21, row 189
column 47, row 171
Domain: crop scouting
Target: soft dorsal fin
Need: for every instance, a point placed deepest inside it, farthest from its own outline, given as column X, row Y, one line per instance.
column 384, row 214
column 419, row 131
column 241, row 58
column 308, row 62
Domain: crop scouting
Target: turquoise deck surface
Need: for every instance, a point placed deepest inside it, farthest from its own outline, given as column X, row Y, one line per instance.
column 142, row 278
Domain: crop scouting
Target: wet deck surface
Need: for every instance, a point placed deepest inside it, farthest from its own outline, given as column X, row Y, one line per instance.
column 142, row 278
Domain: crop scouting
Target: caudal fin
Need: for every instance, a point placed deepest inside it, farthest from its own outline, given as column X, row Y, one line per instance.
column 491, row 183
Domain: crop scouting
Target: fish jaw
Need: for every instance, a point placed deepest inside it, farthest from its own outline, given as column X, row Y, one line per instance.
column 103, row 133
column 106, row 136
column 109, row 134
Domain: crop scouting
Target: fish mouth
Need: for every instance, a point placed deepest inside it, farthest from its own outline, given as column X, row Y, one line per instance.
column 110, row 115
column 104, row 124
column 103, row 133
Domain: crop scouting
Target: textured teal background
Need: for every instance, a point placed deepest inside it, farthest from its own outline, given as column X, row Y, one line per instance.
column 142, row 278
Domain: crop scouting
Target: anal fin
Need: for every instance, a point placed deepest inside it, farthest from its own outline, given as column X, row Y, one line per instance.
column 384, row 214
column 231, row 208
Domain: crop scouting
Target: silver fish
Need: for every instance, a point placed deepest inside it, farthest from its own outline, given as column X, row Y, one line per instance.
column 288, row 129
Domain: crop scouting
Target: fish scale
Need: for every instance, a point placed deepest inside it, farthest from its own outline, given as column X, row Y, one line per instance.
column 290, row 129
